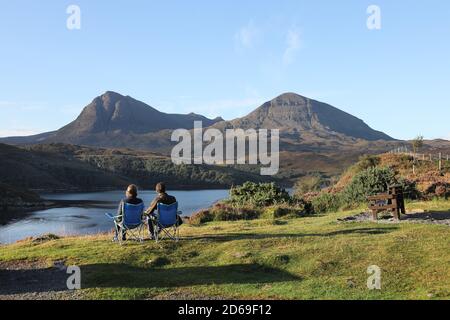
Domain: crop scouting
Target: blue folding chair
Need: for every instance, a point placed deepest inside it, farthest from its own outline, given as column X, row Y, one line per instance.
column 166, row 222
column 132, row 222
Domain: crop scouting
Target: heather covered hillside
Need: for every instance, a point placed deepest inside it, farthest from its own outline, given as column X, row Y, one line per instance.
column 60, row 167
column 420, row 179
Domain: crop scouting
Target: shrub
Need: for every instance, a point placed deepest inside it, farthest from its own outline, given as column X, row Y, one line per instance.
column 258, row 195
column 326, row 202
column 368, row 182
column 231, row 213
column 440, row 190
column 276, row 212
column 410, row 189
column 368, row 161
column 201, row 217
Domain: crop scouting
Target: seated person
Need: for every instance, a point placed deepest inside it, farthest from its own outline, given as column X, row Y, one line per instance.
column 131, row 198
column 161, row 197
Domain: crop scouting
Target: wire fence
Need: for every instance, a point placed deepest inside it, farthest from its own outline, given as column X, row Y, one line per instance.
column 442, row 160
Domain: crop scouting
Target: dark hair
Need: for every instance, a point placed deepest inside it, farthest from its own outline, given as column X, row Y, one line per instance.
column 161, row 187
column 132, row 190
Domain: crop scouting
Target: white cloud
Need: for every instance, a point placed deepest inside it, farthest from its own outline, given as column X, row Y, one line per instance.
column 293, row 43
column 247, row 36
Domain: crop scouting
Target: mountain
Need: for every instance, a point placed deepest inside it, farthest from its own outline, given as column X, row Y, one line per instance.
column 114, row 113
column 116, row 121
column 305, row 118
column 112, row 120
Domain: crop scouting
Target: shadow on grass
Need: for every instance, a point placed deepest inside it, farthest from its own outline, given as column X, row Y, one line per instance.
column 434, row 215
column 126, row 276
column 259, row 236
column 32, row 280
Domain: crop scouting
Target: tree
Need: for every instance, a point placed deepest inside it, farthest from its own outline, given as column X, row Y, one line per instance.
column 417, row 144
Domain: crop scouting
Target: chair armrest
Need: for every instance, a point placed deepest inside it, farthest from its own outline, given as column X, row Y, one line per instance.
column 111, row 216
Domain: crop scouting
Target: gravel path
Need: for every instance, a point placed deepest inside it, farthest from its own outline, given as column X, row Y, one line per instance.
column 440, row 218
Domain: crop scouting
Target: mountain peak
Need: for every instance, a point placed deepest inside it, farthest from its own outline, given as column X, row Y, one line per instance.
column 290, row 99
column 111, row 119
column 293, row 113
column 111, row 95
column 290, row 95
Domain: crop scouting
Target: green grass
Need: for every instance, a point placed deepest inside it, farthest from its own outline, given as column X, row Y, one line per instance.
column 305, row 258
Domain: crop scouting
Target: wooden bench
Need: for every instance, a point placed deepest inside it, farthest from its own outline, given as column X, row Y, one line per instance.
column 394, row 201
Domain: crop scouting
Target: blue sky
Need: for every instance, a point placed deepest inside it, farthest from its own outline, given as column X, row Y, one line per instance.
column 225, row 58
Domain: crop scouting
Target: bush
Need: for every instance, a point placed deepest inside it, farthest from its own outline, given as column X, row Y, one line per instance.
column 201, row 217
column 276, row 212
column 326, row 202
column 368, row 182
column 231, row 213
column 440, row 190
column 410, row 189
column 368, row 161
column 258, row 195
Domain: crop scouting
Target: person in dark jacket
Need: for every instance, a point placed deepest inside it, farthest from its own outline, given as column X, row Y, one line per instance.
column 161, row 197
column 131, row 198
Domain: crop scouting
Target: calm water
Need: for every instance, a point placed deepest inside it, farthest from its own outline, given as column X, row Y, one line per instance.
column 91, row 220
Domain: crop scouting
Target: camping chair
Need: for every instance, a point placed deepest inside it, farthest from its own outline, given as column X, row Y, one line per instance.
column 132, row 222
column 166, row 222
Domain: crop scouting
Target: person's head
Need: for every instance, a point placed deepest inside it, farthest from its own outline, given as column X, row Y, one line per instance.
column 132, row 191
column 161, row 187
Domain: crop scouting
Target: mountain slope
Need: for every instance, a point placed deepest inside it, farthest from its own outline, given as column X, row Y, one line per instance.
column 298, row 115
column 114, row 120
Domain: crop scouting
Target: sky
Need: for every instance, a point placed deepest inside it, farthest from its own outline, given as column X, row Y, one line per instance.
column 226, row 58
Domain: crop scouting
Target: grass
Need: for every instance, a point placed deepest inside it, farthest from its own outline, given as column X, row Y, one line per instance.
column 306, row 258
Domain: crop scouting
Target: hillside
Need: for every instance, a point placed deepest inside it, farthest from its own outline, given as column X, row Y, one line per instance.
column 11, row 197
column 60, row 167
column 425, row 178
column 306, row 258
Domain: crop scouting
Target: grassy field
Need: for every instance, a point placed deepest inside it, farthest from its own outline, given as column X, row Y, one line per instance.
column 306, row 258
